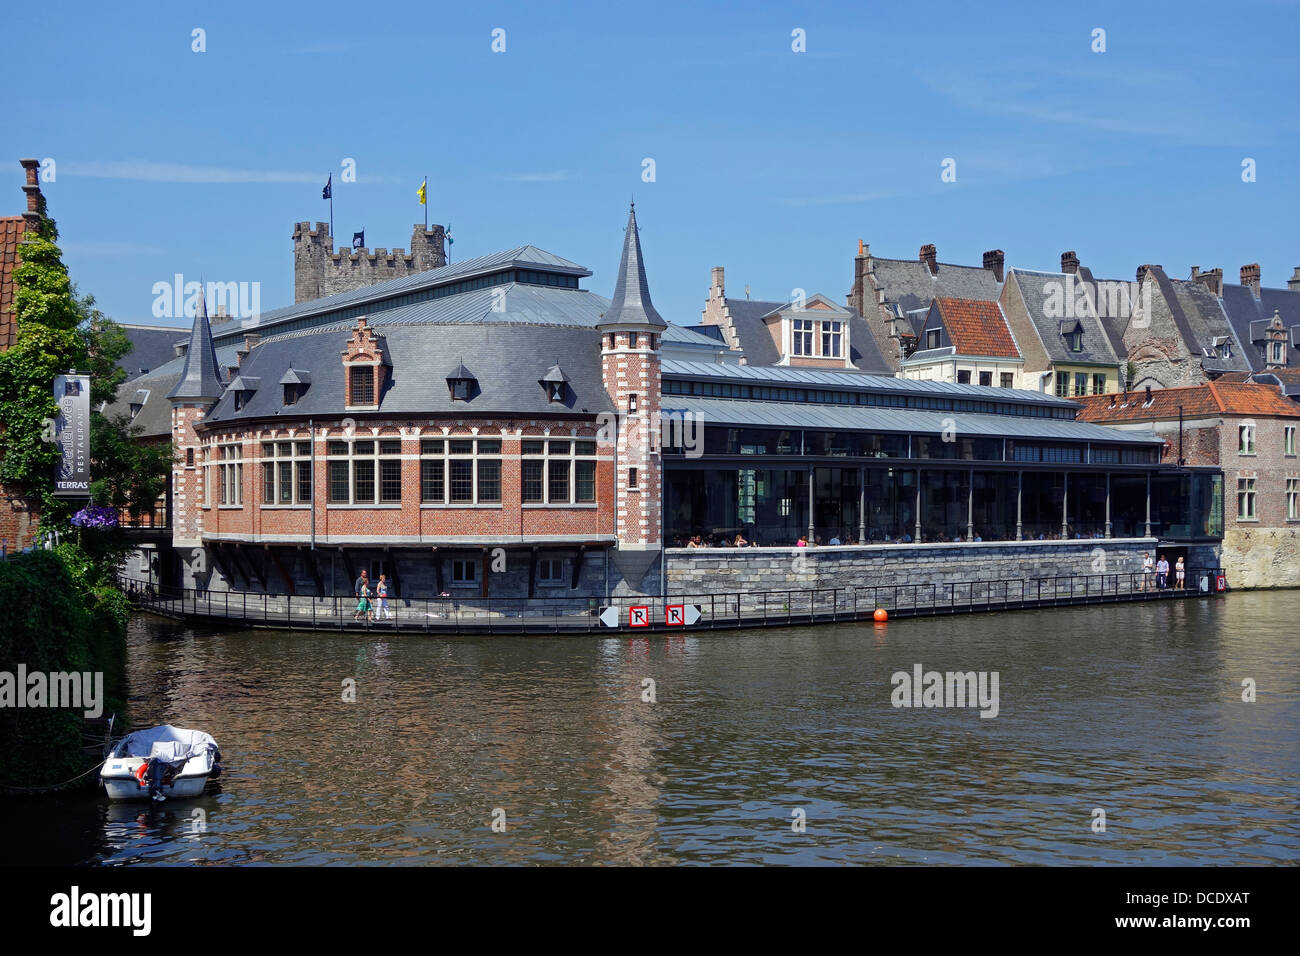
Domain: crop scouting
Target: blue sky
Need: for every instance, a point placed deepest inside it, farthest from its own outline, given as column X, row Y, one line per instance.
column 769, row 162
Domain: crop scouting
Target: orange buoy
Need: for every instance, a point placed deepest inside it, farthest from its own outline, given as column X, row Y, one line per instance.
column 881, row 615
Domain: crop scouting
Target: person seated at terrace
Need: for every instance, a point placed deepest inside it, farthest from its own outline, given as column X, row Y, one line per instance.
column 694, row 542
column 740, row 542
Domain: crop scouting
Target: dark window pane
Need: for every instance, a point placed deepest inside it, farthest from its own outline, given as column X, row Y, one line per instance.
column 532, row 447
column 303, row 448
column 462, row 481
column 430, row 446
column 337, row 448
column 532, row 481
column 461, row 447
column 431, row 481
column 585, row 448
column 390, row 446
column 586, row 480
column 304, row 482
column 363, row 385
column 286, row 482
column 364, row 448
column 489, row 480
column 489, row 447
column 268, row 483
column 557, row 480
column 364, row 473
column 390, row 480
column 339, row 481
column 559, row 447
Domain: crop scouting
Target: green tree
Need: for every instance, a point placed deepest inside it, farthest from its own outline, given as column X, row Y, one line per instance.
column 59, row 331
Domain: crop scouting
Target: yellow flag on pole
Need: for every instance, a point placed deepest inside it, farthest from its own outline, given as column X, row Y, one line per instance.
column 422, row 191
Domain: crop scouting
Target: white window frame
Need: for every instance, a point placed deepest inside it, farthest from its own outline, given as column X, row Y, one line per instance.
column 801, row 336
column 298, row 457
column 1245, row 439
column 352, row 458
column 439, row 450
column 230, row 470
column 1288, row 440
column 1247, row 509
column 832, row 338
column 1293, row 499
column 550, row 453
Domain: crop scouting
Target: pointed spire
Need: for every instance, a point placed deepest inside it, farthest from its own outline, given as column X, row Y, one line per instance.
column 631, row 304
column 201, row 378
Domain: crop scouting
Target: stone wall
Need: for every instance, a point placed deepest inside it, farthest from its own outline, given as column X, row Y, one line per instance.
column 1262, row 557
column 728, row 571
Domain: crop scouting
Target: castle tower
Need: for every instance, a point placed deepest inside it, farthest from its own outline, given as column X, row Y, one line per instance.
column 196, row 391
column 310, row 247
column 319, row 271
column 630, row 333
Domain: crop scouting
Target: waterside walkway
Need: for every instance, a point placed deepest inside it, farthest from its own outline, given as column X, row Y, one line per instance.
column 770, row 608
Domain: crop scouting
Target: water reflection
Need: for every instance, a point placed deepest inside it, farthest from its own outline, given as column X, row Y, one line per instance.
column 1133, row 709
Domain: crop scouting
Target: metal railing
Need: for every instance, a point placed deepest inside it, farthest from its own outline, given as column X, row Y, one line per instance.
column 717, row 610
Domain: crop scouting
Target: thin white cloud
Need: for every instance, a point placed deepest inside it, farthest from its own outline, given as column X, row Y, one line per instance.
column 152, row 172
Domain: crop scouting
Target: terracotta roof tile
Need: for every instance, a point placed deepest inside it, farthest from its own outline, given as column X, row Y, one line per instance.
column 1214, row 398
column 11, row 234
column 977, row 327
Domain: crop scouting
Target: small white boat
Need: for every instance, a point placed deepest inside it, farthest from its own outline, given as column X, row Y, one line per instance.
column 161, row 762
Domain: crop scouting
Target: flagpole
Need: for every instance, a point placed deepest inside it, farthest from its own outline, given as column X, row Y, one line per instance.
column 331, row 215
column 426, row 202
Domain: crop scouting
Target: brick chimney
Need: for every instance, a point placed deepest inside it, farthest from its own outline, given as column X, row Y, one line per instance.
column 1293, row 283
column 250, row 342
column 930, row 256
column 994, row 260
column 32, row 188
column 719, row 282
column 1070, row 262
column 1212, row 279
column 1250, row 278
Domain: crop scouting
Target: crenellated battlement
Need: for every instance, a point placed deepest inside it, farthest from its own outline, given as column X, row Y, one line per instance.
column 319, row 270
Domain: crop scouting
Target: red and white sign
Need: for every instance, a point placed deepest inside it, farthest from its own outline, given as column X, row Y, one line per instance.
column 638, row 616
column 675, row 615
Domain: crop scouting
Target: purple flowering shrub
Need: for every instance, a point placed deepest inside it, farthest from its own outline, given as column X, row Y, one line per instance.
column 95, row 516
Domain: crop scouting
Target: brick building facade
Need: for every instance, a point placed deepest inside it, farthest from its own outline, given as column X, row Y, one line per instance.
column 1250, row 432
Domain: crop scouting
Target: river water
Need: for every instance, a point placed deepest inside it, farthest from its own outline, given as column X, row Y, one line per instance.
column 1135, row 710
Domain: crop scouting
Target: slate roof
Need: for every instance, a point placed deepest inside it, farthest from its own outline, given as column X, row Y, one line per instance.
column 844, row 379
column 520, row 257
column 1198, row 317
column 1243, row 308
column 874, row 419
column 908, row 282
column 151, row 346
column 975, row 327
column 684, row 335
column 1035, row 289
column 1213, row 398
column 201, row 376
column 508, row 363
column 11, row 234
column 631, row 304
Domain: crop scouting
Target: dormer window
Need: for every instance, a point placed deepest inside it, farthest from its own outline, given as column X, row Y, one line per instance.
column 361, row 382
column 460, row 384
column 243, row 388
column 295, row 382
column 931, row 338
column 1076, row 341
column 137, row 403
column 556, row 384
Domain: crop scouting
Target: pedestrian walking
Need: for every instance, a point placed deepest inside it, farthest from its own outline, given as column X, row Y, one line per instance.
column 382, row 590
column 1162, row 573
column 1180, row 574
column 1148, row 568
column 361, row 589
